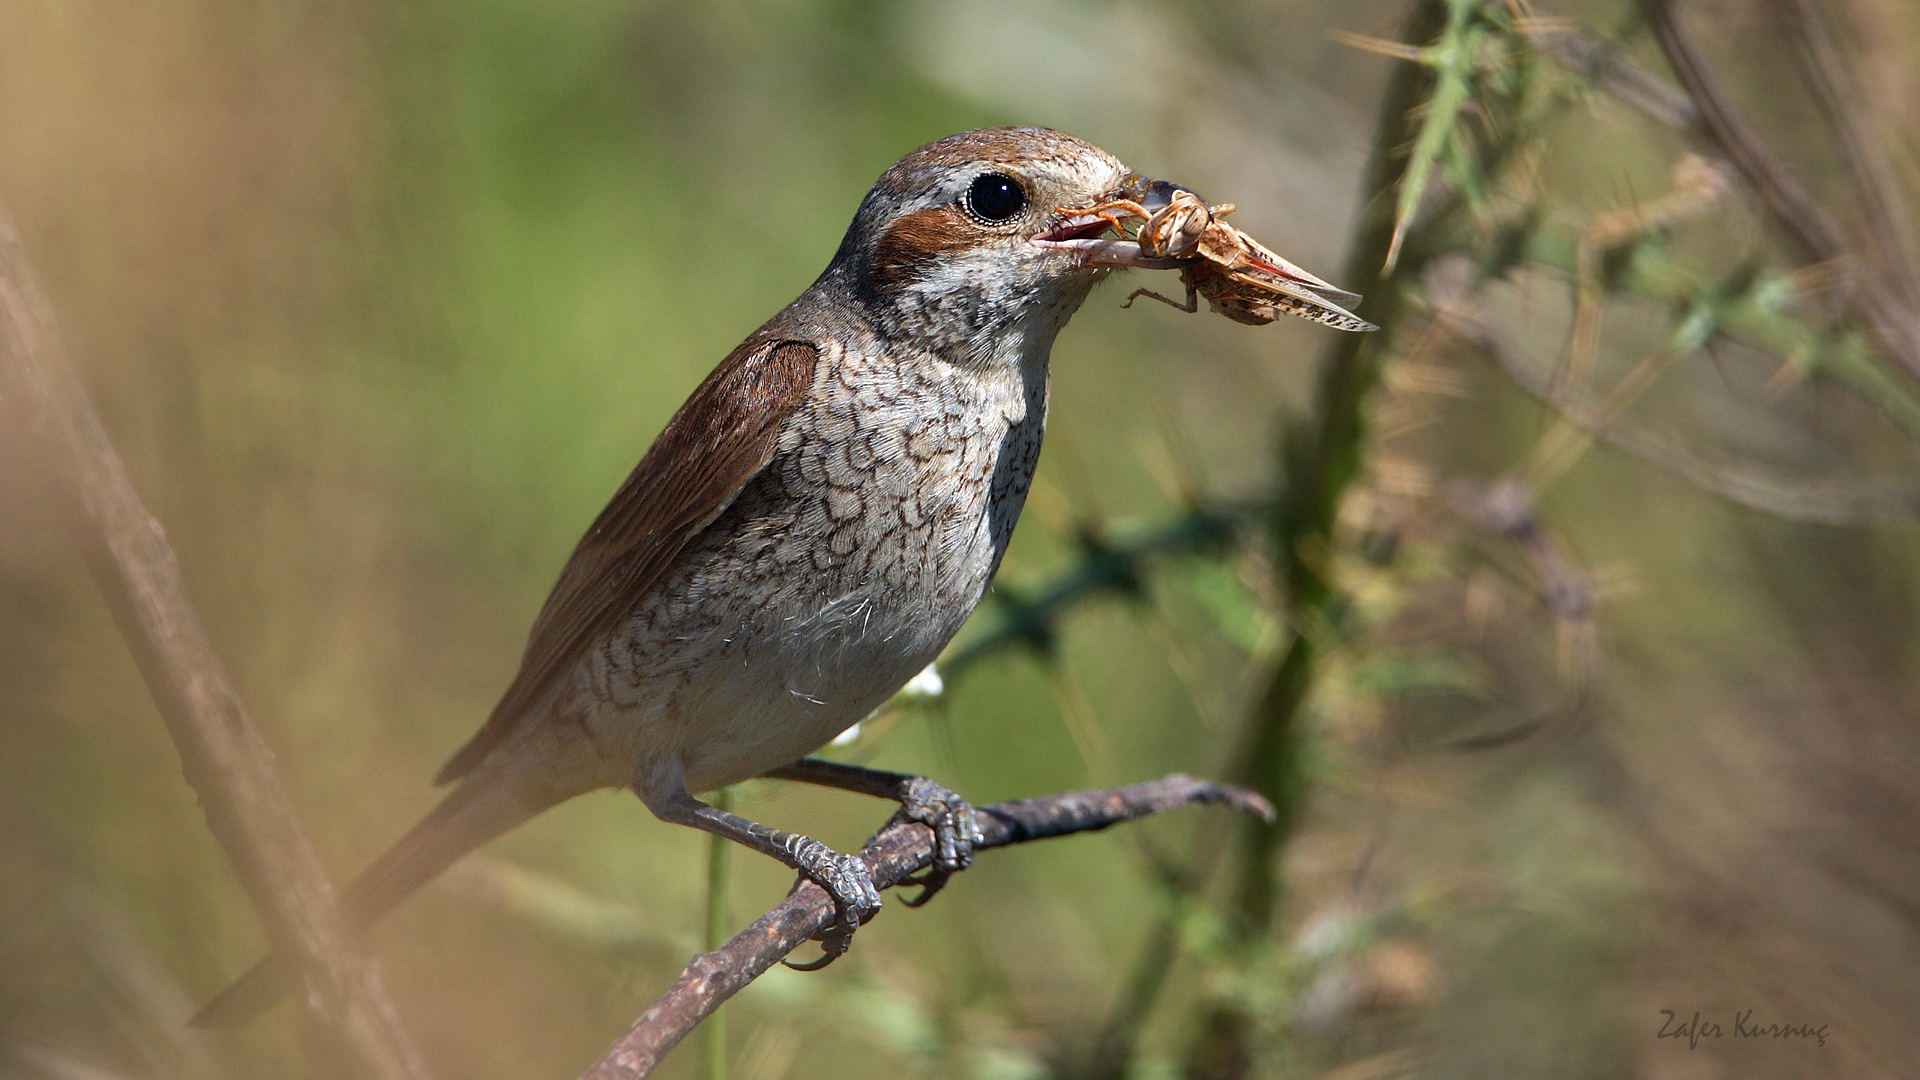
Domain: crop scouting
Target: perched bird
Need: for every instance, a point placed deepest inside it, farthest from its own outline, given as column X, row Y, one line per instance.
column 807, row 533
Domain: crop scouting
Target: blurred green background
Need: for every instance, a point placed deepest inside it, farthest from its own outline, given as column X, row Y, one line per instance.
column 380, row 303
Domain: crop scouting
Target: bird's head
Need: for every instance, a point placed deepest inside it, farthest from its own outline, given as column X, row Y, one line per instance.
column 968, row 246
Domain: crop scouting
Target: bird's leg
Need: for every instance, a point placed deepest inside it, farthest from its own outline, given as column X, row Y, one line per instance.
column 845, row 877
column 956, row 831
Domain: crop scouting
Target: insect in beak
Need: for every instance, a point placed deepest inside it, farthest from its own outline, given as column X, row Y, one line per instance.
column 1172, row 228
column 1084, row 230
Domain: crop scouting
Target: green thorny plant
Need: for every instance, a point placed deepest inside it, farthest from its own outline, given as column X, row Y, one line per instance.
column 1472, row 102
column 1463, row 119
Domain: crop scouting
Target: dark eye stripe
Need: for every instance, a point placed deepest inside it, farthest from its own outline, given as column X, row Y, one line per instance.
column 995, row 197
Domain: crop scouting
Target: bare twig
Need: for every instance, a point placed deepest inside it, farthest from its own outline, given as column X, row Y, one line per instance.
column 1698, row 186
column 1886, row 230
column 895, row 854
column 225, row 760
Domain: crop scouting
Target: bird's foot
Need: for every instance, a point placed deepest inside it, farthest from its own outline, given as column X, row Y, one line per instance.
column 849, row 883
column 956, row 833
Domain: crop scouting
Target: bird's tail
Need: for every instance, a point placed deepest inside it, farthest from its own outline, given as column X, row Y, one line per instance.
column 481, row 808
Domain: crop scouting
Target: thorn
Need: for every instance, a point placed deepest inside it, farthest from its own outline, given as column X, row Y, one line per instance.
column 1398, row 50
column 1393, row 249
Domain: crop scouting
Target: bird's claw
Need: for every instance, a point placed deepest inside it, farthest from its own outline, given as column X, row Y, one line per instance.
column 956, row 831
column 956, row 834
column 856, row 899
column 930, row 881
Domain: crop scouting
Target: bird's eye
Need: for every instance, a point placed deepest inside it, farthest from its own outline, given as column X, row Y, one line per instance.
column 995, row 197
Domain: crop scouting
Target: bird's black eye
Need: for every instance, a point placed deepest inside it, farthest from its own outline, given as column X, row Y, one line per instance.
column 995, row 197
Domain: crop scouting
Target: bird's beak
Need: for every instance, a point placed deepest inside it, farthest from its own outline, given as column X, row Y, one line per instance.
column 1084, row 232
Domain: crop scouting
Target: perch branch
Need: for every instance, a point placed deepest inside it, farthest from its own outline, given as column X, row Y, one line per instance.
column 893, row 855
column 224, row 758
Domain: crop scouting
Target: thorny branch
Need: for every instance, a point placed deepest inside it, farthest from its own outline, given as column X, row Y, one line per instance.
column 1506, row 509
column 1705, row 114
column 1108, row 564
column 1809, row 223
column 1881, row 297
column 895, row 854
column 1876, row 300
column 1886, row 230
column 224, row 758
column 1830, row 502
column 1586, row 55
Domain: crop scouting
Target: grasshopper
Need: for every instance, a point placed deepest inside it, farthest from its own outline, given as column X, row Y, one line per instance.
column 1239, row 277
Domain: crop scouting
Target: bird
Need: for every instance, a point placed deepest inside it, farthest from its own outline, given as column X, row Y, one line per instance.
column 807, row 533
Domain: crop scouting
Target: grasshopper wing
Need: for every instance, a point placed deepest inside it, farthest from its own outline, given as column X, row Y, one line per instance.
column 1266, row 260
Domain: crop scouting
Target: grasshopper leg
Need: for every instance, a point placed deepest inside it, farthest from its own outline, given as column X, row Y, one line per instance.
column 1192, row 305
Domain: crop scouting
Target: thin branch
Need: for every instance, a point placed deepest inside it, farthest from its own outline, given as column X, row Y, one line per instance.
column 1506, row 508
column 1874, row 300
column 893, row 855
column 1819, row 236
column 1319, row 461
column 1623, row 79
column 1830, row 502
column 1708, row 117
column 224, row 758
column 1886, row 230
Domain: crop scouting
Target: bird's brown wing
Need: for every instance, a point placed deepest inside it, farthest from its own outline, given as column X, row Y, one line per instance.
column 720, row 439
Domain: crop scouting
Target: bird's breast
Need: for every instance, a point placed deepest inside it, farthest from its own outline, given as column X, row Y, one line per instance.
column 841, row 570
column 897, row 490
